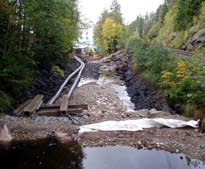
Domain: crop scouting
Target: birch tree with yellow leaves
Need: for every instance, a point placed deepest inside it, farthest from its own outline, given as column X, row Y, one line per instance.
column 110, row 31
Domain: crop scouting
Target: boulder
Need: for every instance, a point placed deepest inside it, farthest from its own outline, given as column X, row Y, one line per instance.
column 198, row 34
column 196, row 41
column 5, row 136
column 62, row 137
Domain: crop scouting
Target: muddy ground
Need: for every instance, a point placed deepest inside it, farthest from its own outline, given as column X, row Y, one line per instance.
column 105, row 104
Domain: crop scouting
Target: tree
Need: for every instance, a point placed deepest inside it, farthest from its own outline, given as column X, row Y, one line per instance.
column 187, row 9
column 115, row 13
column 98, row 31
column 112, row 32
column 106, row 34
column 34, row 36
column 161, row 12
column 140, row 26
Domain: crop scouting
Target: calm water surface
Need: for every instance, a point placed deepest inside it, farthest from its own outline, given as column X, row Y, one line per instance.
column 48, row 154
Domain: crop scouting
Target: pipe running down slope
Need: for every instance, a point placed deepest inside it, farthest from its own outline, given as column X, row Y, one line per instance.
column 80, row 70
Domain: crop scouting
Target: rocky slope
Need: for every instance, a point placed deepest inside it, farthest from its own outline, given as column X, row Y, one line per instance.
column 191, row 38
column 142, row 94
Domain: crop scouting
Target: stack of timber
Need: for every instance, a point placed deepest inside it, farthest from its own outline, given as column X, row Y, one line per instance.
column 30, row 106
column 36, row 106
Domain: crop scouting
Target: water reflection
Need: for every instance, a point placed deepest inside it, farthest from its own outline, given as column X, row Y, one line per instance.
column 120, row 157
column 45, row 154
column 48, row 154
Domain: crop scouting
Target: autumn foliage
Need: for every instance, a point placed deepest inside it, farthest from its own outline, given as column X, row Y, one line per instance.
column 110, row 30
column 182, row 80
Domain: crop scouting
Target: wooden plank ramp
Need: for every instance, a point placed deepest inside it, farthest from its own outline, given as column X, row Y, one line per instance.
column 34, row 105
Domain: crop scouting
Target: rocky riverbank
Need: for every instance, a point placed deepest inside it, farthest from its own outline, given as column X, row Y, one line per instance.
column 144, row 96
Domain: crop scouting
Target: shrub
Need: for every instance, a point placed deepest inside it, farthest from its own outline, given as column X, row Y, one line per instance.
column 183, row 80
column 57, row 70
column 5, row 101
column 154, row 59
column 185, row 83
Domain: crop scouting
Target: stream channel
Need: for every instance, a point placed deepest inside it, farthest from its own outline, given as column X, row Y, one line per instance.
column 49, row 154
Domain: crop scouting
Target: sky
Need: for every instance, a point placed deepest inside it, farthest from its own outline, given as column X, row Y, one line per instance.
column 130, row 9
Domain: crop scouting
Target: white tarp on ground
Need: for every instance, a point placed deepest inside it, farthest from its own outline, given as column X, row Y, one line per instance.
column 137, row 125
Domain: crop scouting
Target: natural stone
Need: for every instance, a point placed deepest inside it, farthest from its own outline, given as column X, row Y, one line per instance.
column 5, row 136
column 62, row 137
column 197, row 40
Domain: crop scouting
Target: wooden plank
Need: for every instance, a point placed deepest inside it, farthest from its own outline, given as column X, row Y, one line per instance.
column 34, row 104
column 54, row 106
column 64, row 104
column 56, row 112
column 18, row 111
column 50, row 106
column 48, row 113
column 82, row 106
column 74, row 111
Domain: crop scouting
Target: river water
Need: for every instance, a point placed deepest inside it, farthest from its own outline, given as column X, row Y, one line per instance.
column 48, row 154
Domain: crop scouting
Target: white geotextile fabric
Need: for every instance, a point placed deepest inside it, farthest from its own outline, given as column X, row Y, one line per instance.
column 137, row 125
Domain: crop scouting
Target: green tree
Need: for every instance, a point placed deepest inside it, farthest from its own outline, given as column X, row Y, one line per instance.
column 112, row 32
column 109, row 20
column 187, row 9
column 161, row 12
column 34, row 36
column 115, row 13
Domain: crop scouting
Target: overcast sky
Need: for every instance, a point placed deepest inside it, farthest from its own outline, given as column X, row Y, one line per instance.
column 92, row 9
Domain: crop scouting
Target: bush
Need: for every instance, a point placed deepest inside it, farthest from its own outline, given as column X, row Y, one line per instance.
column 57, row 70
column 150, row 58
column 182, row 80
column 5, row 101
